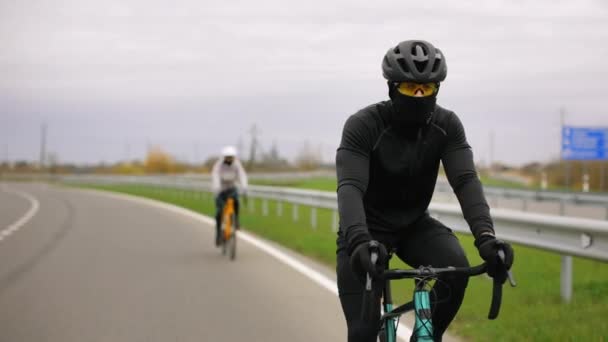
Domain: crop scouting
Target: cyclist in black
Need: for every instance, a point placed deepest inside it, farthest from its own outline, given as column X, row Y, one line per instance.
column 387, row 166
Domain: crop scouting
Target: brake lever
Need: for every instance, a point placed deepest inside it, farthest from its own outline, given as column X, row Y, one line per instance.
column 368, row 281
column 501, row 255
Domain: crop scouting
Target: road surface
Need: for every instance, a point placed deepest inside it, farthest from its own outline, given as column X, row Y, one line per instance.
column 87, row 266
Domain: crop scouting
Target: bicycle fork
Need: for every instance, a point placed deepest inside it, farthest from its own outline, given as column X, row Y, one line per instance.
column 423, row 326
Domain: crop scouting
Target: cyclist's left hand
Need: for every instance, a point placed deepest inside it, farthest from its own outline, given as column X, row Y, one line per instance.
column 361, row 262
column 488, row 247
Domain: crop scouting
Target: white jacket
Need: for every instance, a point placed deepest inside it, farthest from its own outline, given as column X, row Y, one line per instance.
column 225, row 176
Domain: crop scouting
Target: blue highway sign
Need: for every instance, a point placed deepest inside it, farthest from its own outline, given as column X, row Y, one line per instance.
column 584, row 143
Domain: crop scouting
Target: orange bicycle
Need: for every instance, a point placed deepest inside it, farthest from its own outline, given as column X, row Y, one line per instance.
column 228, row 229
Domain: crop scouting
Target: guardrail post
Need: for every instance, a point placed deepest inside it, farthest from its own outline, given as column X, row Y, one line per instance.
column 313, row 217
column 294, row 212
column 264, row 207
column 562, row 207
column 525, row 205
column 566, row 278
column 334, row 221
column 279, row 208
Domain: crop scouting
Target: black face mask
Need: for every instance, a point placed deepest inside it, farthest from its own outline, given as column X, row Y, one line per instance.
column 409, row 111
column 228, row 162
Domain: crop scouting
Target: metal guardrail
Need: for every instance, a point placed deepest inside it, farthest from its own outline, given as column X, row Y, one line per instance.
column 529, row 196
column 564, row 235
column 492, row 193
column 575, row 236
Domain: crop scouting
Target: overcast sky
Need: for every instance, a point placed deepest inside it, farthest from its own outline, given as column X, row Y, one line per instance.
column 112, row 77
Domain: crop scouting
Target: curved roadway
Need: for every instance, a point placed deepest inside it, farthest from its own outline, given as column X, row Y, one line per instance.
column 94, row 267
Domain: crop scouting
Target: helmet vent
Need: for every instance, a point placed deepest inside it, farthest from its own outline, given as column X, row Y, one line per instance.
column 436, row 65
column 396, row 50
column 420, row 66
column 403, row 66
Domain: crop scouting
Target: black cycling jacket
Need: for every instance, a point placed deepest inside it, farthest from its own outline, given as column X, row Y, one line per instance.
column 386, row 176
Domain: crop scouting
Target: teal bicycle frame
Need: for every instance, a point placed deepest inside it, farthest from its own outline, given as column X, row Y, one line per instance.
column 423, row 325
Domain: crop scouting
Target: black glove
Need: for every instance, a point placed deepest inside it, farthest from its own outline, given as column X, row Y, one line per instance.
column 488, row 247
column 361, row 262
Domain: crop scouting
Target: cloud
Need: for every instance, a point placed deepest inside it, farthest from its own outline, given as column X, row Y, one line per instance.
column 296, row 68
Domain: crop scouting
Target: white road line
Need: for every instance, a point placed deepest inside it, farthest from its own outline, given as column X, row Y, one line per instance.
column 34, row 206
column 404, row 332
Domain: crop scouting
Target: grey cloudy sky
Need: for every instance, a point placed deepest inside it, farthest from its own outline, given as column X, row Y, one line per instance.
column 111, row 77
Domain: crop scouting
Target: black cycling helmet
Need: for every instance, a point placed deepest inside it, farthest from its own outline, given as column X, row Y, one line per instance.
column 414, row 61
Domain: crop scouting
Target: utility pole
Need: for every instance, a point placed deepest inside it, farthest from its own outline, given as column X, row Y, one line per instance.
column 42, row 146
column 562, row 113
column 254, row 142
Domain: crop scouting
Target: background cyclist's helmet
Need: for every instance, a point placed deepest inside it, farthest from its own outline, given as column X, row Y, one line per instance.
column 229, row 151
column 414, row 61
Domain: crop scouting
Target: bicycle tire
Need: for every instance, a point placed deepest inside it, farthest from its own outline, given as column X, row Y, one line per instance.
column 223, row 243
column 233, row 246
column 233, row 238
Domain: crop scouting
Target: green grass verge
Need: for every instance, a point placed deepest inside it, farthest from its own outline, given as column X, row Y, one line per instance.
column 487, row 181
column 315, row 183
column 531, row 312
column 329, row 183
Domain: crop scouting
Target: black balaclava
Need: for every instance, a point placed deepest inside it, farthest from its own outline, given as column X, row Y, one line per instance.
column 409, row 111
column 228, row 162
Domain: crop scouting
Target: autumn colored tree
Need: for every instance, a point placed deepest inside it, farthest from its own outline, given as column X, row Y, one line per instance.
column 158, row 161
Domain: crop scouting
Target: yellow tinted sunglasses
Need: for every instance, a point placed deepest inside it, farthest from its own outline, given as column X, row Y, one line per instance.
column 417, row 89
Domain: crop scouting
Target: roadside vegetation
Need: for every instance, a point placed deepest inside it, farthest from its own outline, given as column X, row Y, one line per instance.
column 329, row 183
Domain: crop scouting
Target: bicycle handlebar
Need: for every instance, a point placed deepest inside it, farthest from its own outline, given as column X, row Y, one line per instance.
column 423, row 271
column 431, row 271
column 468, row 271
column 497, row 283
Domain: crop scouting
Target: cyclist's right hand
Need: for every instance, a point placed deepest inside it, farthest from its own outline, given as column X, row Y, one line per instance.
column 361, row 262
column 488, row 247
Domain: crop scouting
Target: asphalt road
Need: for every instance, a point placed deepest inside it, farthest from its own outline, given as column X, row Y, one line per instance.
column 90, row 267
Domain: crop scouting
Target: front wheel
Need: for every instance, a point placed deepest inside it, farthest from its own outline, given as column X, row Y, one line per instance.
column 223, row 242
column 232, row 242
